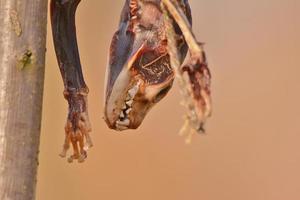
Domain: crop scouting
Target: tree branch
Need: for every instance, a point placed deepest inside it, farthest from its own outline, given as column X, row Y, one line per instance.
column 22, row 61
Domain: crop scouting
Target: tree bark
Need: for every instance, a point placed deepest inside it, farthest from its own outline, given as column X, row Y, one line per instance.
column 22, row 62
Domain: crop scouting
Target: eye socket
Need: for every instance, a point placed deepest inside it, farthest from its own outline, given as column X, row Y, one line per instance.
column 162, row 94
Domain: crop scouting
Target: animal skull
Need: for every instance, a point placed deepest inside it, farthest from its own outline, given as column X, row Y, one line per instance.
column 139, row 74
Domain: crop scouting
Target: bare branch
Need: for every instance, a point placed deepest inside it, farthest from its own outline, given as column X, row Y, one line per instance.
column 22, row 61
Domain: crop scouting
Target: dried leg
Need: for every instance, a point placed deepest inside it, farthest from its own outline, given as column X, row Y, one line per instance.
column 65, row 42
column 196, row 90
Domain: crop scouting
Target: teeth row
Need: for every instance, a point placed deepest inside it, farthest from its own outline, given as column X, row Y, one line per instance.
column 123, row 122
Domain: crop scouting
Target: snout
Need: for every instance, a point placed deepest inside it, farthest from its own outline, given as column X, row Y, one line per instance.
column 124, row 108
column 128, row 110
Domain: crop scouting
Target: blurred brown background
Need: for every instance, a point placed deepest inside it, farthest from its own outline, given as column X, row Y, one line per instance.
column 251, row 151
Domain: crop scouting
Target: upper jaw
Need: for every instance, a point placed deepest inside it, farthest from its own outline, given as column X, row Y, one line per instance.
column 121, row 94
column 115, row 97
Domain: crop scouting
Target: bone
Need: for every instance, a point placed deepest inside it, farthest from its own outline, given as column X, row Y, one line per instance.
column 122, row 115
column 129, row 103
column 133, row 91
column 128, row 97
column 121, row 128
column 128, row 110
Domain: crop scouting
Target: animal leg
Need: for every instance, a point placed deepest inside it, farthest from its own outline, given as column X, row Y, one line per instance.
column 77, row 127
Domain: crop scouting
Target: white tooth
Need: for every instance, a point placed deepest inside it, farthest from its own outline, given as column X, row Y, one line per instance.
column 126, row 122
column 128, row 97
column 132, row 92
column 129, row 103
column 122, row 114
column 124, row 107
column 128, row 111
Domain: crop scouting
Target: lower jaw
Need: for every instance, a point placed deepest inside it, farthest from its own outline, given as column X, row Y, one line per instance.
column 121, row 128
